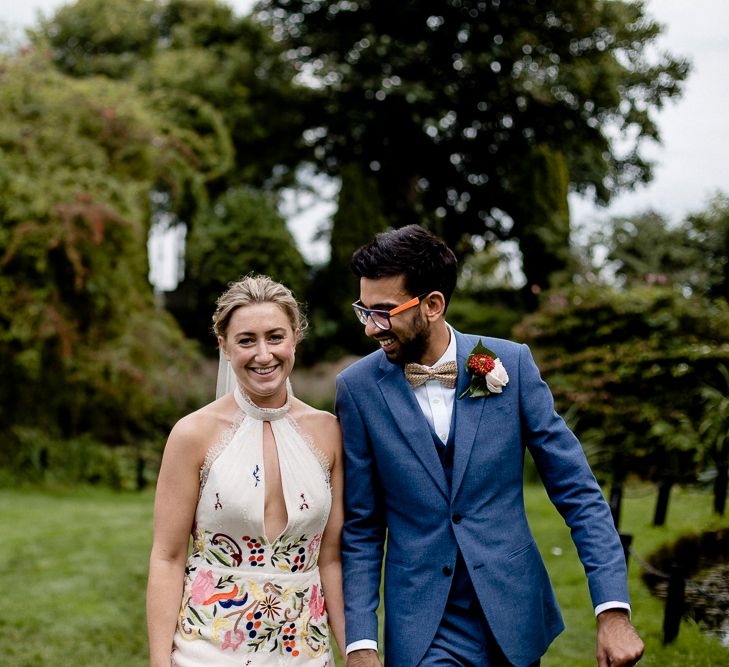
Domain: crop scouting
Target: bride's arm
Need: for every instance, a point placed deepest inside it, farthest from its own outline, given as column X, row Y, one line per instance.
column 330, row 563
column 174, row 511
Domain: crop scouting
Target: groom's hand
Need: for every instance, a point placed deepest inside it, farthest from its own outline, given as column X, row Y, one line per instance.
column 618, row 644
column 364, row 658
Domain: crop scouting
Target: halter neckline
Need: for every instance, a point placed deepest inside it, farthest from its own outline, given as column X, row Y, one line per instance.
column 262, row 414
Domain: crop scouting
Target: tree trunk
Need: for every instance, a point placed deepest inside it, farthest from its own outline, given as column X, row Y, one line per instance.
column 664, row 494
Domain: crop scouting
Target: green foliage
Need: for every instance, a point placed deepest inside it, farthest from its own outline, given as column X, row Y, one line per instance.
column 543, row 218
column 220, row 75
column 692, row 254
column 357, row 219
column 489, row 313
column 240, row 233
column 447, row 105
column 714, row 434
column 631, row 366
column 222, row 82
column 82, row 347
column 44, row 460
column 708, row 231
column 714, row 427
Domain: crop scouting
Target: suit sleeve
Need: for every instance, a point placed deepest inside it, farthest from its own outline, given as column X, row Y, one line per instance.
column 363, row 535
column 572, row 487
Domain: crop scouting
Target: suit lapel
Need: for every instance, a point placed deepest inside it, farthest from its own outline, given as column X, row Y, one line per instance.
column 467, row 417
column 408, row 416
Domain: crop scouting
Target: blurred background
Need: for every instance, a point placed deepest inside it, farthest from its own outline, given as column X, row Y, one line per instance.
column 572, row 152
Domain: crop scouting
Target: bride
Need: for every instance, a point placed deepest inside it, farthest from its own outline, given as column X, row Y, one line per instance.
column 256, row 478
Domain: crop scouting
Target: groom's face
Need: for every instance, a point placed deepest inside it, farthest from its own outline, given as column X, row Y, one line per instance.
column 408, row 338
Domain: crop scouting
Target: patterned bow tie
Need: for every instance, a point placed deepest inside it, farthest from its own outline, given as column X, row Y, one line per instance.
column 445, row 373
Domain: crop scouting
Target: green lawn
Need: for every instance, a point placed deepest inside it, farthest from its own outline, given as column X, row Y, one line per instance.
column 73, row 569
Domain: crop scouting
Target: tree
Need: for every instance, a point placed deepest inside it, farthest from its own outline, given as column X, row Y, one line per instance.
column 204, row 63
column 82, row 347
column 240, row 233
column 714, row 431
column 631, row 365
column 223, row 79
column 708, row 232
column 357, row 219
column 449, row 106
column 691, row 254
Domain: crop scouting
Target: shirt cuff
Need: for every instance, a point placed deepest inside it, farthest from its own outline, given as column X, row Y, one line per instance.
column 613, row 604
column 361, row 645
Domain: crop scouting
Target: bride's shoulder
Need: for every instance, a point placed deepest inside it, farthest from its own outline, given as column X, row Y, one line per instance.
column 203, row 427
column 301, row 410
column 321, row 425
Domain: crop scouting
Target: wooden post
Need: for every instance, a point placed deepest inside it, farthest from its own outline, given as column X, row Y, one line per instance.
column 664, row 493
column 674, row 604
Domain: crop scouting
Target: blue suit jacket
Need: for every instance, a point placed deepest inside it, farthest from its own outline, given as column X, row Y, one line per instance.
column 396, row 489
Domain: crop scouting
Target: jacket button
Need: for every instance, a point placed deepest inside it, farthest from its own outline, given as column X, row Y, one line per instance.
column 457, row 518
column 447, row 571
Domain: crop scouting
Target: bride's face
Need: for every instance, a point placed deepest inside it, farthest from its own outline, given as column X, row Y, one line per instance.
column 260, row 344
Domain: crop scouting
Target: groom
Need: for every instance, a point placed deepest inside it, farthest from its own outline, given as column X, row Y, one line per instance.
column 440, row 478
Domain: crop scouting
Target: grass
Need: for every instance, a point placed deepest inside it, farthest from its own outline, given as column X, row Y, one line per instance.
column 73, row 573
column 689, row 512
column 73, row 569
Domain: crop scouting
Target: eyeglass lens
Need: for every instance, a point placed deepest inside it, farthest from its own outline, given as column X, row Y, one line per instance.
column 380, row 320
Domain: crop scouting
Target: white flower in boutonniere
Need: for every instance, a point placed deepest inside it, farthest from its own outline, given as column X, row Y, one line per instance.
column 488, row 375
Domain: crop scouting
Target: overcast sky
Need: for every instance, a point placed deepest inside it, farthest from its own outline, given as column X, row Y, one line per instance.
column 691, row 164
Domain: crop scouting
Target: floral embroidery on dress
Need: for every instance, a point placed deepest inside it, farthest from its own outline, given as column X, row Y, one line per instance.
column 289, row 553
column 267, row 618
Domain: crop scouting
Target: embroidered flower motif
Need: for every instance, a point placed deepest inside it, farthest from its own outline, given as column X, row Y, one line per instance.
column 314, row 543
column 487, row 373
column 203, row 586
column 271, row 606
column 233, row 639
column 316, row 603
column 256, row 550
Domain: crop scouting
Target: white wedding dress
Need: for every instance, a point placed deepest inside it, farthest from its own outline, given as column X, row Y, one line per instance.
column 248, row 600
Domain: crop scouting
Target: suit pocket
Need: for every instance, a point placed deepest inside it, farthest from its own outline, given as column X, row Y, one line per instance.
column 518, row 552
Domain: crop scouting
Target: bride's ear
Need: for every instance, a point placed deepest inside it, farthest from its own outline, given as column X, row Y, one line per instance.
column 221, row 345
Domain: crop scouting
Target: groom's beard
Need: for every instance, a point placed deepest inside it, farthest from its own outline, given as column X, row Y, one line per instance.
column 412, row 344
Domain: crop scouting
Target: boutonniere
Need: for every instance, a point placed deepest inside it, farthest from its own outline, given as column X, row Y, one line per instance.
column 487, row 373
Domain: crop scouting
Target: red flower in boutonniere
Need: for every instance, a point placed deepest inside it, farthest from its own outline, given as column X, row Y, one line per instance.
column 488, row 375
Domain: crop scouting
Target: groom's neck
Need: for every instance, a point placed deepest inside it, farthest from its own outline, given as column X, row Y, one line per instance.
column 440, row 336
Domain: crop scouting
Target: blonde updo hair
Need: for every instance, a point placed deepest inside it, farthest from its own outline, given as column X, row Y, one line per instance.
column 257, row 289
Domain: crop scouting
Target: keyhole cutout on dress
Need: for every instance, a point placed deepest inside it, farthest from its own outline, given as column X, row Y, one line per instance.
column 275, row 514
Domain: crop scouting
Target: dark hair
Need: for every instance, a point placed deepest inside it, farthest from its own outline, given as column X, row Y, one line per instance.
column 425, row 261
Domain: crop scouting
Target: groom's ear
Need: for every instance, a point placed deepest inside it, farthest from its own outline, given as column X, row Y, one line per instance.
column 434, row 306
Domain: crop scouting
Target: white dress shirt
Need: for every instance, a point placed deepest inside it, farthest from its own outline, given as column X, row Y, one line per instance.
column 436, row 402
